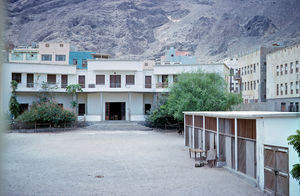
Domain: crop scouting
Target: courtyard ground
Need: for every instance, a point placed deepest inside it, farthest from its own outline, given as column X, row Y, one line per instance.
column 99, row 162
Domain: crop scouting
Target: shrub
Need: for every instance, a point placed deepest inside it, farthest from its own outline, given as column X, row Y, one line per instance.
column 294, row 140
column 48, row 112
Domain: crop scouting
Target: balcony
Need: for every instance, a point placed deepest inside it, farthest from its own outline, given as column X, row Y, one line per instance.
column 162, row 85
column 115, row 85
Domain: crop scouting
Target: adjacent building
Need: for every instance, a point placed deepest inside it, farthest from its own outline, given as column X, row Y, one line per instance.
column 112, row 89
column 251, row 144
column 283, row 78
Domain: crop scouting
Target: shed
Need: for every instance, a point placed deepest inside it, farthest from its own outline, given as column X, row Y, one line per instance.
column 250, row 143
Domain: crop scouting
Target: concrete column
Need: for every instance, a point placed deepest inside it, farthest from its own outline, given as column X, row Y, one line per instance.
column 129, row 106
column 235, row 144
column 203, row 134
column 102, row 109
column 218, row 140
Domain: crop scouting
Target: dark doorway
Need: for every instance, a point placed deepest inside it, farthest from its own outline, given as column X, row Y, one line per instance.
column 81, row 109
column 115, row 111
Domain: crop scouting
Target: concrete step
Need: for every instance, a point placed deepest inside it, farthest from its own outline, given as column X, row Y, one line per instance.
column 117, row 126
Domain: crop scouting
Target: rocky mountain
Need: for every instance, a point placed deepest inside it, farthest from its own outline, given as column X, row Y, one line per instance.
column 212, row 29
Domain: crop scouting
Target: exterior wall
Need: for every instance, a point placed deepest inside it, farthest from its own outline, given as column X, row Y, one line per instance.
column 55, row 49
column 80, row 56
column 274, row 131
column 286, row 58
column 178, row 57
column 246, row 68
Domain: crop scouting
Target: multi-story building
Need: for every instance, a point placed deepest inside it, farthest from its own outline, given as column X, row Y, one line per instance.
column 80, row 59
column 283, row 78
column 112, row 89
column 252, row 69
column 234, row 81
column 177, row 57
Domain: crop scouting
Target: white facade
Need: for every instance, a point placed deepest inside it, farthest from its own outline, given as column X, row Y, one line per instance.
column 271, row 130
column 283, row 73
column 111, row 88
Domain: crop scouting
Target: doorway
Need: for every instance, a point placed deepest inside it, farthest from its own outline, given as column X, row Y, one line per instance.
column 276, row 170
column 115, row 111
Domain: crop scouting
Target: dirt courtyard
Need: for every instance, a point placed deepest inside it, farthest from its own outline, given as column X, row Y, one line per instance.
column 94, row 162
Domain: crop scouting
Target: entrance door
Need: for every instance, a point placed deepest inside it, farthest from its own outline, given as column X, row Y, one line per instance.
column 276, row 170
column 115, row 111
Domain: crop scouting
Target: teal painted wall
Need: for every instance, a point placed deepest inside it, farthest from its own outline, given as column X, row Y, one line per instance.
column 80, row 56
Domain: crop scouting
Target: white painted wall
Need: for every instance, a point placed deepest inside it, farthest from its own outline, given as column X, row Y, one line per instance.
column 115, row 65
column 274, row 131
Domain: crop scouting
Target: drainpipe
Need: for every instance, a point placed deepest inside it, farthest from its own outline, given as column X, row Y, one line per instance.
column 203, row 134
column 235, row 144
column 218, row 144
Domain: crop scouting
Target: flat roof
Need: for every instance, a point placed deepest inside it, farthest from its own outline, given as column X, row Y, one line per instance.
column 245, row 114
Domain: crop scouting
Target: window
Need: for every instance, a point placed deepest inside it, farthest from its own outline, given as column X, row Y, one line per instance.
column 100, row 79
column 148, row 82
column 254, row 85
column 84, row 63
column 251, row 69
column 146, row 64
column 291, row 68
column 285, row 69
column 248, row 69
column 242, row 70
column 251, row 85
column 64, row 81
column 130, row 79
column 297, row 87
column 257, row 81
column 297, row 66
column 17, row 77
column 292, row 88
column 61, row 45
column 75, row 61
column 248, row 86
column 81, row 109
column 277, row 70
column 60, row 57
column 286, row 88
column 281, row 89
column 115, row 81
column 23, row 107
column 254, row 68
column 30, row 78
column 147, row 108
column 281, row 69
column 81, row 81
column 277, row 89
column 297, row 107
column 46, row 57
column 47, row 45
column 51, row 78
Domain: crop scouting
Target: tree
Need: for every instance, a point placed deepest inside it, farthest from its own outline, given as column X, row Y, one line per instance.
column 294, row 140
column 196, row 92
column 200, row 92
column 73, row 89
column 14, row 106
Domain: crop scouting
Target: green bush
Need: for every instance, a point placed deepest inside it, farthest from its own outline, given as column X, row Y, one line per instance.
column 294, row 140
column 48, row 112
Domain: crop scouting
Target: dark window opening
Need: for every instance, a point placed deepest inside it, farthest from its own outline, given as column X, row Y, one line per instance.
column 17, row 77
column 30, row 78
column 115, row 111
column 115, row 81
column 100, row 79
column 64, row 81
column 147, row 108
column 130, row 79
column 23, row 107
column 51, row 79
column 81, row 109
column 148, row 82
column 75, row 61
column 81, row 81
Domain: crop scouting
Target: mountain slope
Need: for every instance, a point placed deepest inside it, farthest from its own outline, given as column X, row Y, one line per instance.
column 212, row 29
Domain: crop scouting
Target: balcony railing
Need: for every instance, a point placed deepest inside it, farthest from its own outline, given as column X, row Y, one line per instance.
column 115, row 85
column 162, row 85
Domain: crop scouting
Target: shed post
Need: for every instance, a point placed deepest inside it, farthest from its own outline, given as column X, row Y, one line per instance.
column 193, row 132
column 203, row 134
column 218, row 144
column 235, row 145
column 184, row 130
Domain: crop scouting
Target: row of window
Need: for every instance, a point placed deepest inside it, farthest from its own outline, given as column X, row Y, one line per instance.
column 249, row 69
column 250, row 85
column 48, row 57
column 84, row 62
column 286, row 67
column 284, row 88
column 115, row 80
